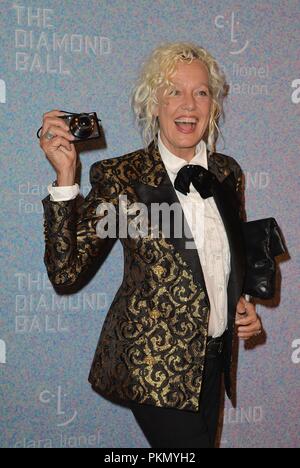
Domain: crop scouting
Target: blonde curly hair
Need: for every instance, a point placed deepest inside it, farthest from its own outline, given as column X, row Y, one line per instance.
column 156, row 72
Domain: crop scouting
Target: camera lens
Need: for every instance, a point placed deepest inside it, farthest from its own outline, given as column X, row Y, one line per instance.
column 82, row 125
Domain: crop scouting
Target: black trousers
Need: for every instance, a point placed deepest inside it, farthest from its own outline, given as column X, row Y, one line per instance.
column 172, row 428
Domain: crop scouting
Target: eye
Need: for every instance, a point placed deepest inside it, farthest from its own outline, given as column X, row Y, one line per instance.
column 174, row 92
column 202, row 92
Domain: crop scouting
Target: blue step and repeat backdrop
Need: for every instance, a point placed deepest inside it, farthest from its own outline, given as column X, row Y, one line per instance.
column 84, row 56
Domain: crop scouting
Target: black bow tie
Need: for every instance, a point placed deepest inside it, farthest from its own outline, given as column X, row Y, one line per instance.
column 201, row 178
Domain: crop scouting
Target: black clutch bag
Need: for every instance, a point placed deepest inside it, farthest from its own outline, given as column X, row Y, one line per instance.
column 263, row 242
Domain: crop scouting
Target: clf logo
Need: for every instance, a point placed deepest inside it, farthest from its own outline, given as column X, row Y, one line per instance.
column 59, row 401
column 234, row 27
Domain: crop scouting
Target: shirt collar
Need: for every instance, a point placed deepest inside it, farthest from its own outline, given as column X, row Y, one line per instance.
column 173, row 163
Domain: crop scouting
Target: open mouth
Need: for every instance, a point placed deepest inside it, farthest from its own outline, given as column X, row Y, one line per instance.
column 186, row 125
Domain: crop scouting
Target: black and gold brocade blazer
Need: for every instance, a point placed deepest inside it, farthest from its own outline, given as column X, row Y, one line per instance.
column 152, row 345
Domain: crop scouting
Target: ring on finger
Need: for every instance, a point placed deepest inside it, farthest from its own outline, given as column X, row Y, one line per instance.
column 48, row 135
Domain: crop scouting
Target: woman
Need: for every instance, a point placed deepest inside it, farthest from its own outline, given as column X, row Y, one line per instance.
column 168, row 334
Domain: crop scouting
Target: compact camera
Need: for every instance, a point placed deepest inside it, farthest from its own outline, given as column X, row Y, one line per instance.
column 83, row 126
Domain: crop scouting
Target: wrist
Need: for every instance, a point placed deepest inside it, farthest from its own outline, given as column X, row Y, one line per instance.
column 64, row 180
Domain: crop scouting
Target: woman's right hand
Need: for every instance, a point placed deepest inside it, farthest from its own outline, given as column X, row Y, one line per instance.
column 59, row 151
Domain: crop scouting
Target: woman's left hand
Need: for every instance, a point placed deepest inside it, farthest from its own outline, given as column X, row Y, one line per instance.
column 247, row 321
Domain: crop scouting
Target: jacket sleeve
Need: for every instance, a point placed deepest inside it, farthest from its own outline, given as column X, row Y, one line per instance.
column 240, row 191
column 72, row 246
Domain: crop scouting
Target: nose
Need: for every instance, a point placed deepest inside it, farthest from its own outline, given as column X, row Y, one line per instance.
column 188, row 102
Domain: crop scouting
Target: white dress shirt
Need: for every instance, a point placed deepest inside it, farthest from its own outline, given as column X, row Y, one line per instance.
column 206, row 227
column 209, row 234
column 62, row 193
